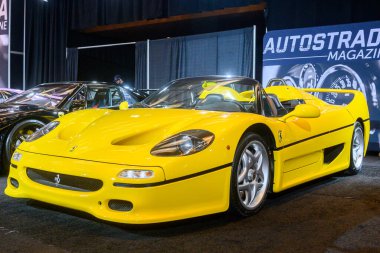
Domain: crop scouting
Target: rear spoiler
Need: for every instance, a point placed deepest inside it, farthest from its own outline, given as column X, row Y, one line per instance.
column 358, row 106
column 330, row 90
column 316, row 92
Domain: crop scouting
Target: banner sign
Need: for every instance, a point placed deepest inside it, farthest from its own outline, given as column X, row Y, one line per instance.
column 4, row 40
column 338, row 57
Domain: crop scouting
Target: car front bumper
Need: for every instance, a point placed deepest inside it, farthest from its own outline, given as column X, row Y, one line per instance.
column 119, row 200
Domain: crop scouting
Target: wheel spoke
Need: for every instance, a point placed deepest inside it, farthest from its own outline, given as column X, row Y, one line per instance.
column 259, row 170
column 244, row 187
column 258, row 157
column 359, row 151
column 259, row 185
column 356, row 141
column 260, row 174
column 243, row 169
column 260, row 178
column 251, row 158
column 252, row 194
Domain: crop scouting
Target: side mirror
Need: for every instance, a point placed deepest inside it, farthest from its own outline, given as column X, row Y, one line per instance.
column 303, row 111
column 77, row 105
column 124, row 105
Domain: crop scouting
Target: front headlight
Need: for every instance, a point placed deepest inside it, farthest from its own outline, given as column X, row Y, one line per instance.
column 185, row 143
column 42, row 131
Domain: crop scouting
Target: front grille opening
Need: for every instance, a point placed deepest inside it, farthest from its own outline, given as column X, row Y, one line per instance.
column 14, row 182
column 120, row 205
column 64, row 181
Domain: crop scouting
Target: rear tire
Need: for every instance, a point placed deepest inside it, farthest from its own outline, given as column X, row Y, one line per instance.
column 251, row 175
column 14, row 138
column 357, row 150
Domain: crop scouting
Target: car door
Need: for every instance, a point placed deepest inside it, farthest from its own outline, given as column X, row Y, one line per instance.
column 304, row 143
column 77, row 101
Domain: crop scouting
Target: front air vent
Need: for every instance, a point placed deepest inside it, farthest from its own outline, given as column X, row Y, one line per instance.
column 14, row 182
column 64, row 181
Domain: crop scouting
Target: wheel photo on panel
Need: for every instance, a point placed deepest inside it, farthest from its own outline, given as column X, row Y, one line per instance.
column 340, row 77
column 251, row 175
column 16, row 135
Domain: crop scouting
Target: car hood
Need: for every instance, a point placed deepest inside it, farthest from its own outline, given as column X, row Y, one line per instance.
column 124, row 137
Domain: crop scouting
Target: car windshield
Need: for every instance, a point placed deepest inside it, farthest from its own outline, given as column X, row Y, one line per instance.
column 214, row 94
column 44, row 95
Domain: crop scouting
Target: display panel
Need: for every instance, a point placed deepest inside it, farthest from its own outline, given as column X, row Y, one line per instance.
column 339, row 57
column 4, row 41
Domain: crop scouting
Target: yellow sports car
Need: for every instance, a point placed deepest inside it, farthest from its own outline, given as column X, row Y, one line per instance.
column 197, row 146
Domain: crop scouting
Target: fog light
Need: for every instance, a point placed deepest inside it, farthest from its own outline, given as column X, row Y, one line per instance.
column 17, row 156
column 136, row 174
column 120, row 205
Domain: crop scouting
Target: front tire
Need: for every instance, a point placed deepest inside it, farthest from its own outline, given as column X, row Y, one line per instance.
column 357, row 150
column 17, row 135
column 251, row 175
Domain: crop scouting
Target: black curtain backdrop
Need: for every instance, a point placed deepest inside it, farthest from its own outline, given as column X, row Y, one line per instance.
column 285, row 14
column 140, row 65
column 46, row 36
column 48, row 23
column 90, row 13
column 221, row 53
column 72, row 64
column 103, row 63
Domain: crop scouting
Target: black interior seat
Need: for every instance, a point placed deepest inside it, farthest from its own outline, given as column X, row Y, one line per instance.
column 279, row 108
column 100, row 99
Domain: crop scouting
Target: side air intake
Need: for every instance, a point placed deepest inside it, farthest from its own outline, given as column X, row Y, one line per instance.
column 332, row 152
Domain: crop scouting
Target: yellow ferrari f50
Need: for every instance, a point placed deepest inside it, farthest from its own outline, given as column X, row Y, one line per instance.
column 197, row 146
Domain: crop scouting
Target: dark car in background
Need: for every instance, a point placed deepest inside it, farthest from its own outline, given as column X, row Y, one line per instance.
column 7, row 93
column 23, row 114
